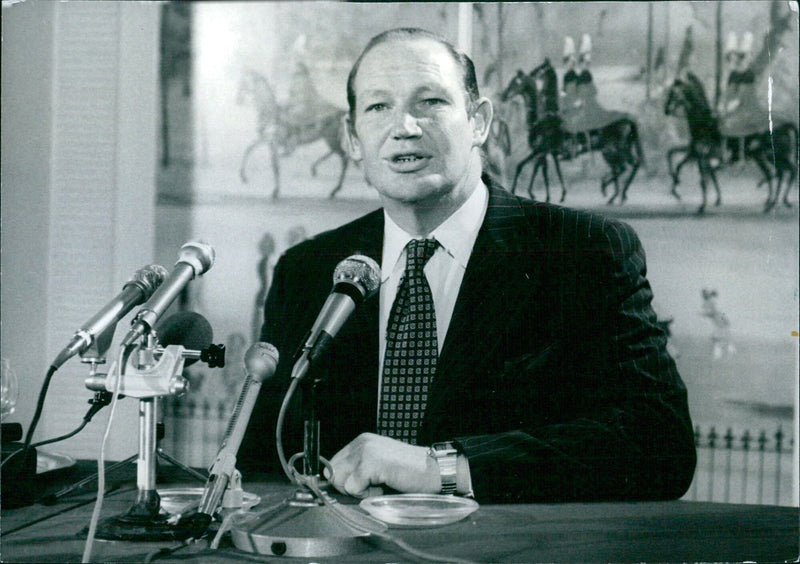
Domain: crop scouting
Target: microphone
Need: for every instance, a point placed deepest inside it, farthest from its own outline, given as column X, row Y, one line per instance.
column 260, row 362
column 194, row 259
column 355, row 279
column 187, row 329
column 135, row 291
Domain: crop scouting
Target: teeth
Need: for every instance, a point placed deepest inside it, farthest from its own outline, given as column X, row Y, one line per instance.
column 407, row 159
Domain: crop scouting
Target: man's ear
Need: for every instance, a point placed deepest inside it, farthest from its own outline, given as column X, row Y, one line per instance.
column 350, row 141
column 481, row 119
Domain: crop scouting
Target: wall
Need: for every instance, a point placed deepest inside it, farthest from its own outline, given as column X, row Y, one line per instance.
column 78, row 190
column 26, row 121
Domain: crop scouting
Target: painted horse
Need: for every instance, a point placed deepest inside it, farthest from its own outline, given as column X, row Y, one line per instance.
column 618, row 141
column 774, row 152
column 543, row 134
column 284, row 127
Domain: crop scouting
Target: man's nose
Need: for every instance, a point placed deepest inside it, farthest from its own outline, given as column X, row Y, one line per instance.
column 405, row 125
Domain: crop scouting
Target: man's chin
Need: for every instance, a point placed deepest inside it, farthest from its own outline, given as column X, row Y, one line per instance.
column 412, row 189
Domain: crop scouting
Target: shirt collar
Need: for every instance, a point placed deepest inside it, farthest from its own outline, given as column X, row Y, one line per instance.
column 456, row 235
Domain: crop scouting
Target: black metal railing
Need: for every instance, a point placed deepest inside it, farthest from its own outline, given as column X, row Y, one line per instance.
column 743, row 466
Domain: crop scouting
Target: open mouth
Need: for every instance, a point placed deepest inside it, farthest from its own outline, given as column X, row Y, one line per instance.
column 407, row 158
column 405, row 163
column 410, row 160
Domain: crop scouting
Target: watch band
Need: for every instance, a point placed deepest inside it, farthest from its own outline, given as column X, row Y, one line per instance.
column 446, row 456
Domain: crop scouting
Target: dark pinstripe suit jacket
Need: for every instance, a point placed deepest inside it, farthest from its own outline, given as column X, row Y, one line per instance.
column 553, row 378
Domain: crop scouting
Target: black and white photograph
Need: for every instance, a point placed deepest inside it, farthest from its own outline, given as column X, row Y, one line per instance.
column 400, row 281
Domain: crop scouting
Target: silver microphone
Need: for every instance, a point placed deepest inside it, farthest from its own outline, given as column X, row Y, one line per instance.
column 194, row 259
column 261, row 362
column 355, row 279
column 137, row 290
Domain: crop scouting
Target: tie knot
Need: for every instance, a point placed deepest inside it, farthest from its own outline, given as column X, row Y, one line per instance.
column 419, row 252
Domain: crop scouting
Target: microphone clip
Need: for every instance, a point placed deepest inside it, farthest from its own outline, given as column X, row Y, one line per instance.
column 99, row 401
column 146, row 380
column 95, row 353
column 213, row 356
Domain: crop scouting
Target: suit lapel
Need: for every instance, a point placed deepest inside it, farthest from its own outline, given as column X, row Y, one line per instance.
column 498, row 274
column 490, row 280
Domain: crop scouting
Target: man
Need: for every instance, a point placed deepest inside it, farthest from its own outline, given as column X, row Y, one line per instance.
column 740, row 112
column 552, row 381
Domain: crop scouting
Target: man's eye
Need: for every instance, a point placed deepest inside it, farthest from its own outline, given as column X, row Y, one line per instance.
column 433, row 101
column 377, row 107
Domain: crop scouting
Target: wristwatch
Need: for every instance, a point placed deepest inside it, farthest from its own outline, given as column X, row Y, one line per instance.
column 446, row 456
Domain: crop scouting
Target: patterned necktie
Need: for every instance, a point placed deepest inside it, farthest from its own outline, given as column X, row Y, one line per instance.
column 411, row 349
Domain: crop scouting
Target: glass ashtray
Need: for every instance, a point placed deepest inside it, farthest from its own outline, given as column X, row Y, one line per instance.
column 178, row 500
column 419, row 510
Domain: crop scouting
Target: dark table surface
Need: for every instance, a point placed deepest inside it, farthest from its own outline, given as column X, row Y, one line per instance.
column 673, row 531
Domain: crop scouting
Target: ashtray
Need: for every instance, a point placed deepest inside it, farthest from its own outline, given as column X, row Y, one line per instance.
column 419, row 510
column 176, row 500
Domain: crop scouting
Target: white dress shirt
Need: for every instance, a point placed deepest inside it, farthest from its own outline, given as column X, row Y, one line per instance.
column 444, row 271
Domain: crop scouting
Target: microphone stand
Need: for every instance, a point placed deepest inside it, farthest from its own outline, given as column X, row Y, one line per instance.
column 94, row 356
column 54, row 497
column 305, row 524
column 149, row 379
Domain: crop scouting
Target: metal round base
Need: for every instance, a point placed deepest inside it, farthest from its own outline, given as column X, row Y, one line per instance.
column 296, row 530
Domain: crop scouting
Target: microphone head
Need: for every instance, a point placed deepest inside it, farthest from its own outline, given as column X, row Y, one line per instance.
column 148, row 279
column 359, row 271
column 188, row 329
column 199, row 254
column 261, row 361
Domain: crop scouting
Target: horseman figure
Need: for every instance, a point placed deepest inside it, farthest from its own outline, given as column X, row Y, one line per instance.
column 773, row 150
column 306, row 118
column 572, row 112
column 616, row 139
column 546, row 81
column 548, row 121
column 741, row 114
column 306, row 110
column 582, row 114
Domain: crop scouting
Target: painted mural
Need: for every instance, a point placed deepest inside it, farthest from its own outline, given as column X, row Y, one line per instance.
column 678, row 117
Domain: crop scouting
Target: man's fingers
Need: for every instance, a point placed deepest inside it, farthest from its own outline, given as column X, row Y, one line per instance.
column 342, row 466
column 356, row 486
column 373, row 491
column 345, row 477
column 351, row 476
column 372, row 460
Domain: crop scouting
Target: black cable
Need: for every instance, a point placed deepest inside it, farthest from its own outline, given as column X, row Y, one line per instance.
column 166, row 551
column 117, row 489
column 99, row 401
column 62, row 437
column 37, row 414
column 205, row 555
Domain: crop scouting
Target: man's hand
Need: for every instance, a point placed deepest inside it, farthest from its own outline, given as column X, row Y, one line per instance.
column 375, row 460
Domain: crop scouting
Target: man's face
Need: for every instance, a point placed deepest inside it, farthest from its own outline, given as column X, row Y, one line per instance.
column 412, row 126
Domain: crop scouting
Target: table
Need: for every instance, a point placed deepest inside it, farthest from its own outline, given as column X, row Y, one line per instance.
column 571, row 532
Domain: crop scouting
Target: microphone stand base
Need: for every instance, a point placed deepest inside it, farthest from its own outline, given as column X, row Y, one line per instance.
column 301, row 526
column 126, row 528
column 144, row 521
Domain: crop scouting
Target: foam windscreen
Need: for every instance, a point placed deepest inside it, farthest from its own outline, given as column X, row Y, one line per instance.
column 188, row 329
